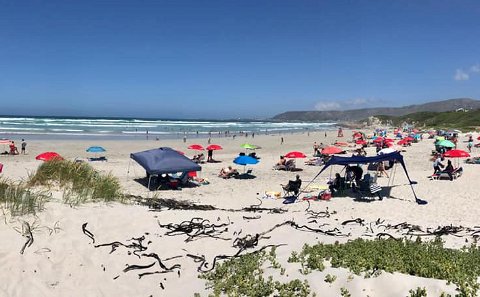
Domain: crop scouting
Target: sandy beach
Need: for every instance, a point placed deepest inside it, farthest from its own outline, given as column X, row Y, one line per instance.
column 63, row 261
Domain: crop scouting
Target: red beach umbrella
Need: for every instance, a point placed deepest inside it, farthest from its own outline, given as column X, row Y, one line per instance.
column 295, row 154
column 378, row 139
column 409, row 138
column 214, row 147
column 330, row 150
column 478, row 138
column 403, row 142
column 48, row 156
column 196, row 147
column 456, row 154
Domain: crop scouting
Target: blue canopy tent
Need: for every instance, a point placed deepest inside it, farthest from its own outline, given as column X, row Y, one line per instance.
column 395, row 156
column 164, row 160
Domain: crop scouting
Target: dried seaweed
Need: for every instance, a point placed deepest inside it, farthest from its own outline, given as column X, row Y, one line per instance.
column 157, row 204
column 27, row 232
column 359, row 221
column 88, row 233
column 196, row 228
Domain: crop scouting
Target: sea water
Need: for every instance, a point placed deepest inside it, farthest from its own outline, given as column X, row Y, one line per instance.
column 127, row 128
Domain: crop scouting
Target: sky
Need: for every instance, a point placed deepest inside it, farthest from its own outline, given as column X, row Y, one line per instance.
column 233, row 59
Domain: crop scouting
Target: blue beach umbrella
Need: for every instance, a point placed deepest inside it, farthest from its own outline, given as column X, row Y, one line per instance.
column 245, row 160
column 96, row 149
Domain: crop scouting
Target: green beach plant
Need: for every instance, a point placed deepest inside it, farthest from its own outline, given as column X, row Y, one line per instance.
column 19, row 200
column 243, row 276
column 424, row 259
column 80, row 182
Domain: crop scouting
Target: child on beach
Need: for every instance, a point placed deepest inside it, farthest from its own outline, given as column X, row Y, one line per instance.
column 24, row 146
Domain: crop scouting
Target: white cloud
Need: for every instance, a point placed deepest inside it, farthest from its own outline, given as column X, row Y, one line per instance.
column 347, row 104
column 359, row 101
column 475, row 68
column 461, row 75
column 327, row 106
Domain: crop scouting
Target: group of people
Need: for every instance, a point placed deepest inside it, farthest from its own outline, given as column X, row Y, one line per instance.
column 13, row 150
column 228, row 172
column 199, row 158
column 438, row 166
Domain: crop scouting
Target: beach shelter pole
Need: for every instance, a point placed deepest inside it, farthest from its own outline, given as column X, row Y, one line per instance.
column 128, row 167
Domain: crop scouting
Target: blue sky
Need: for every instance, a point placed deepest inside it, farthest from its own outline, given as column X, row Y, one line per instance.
column 225, row 59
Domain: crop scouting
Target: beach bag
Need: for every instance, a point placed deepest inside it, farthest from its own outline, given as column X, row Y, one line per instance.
column 325, row 195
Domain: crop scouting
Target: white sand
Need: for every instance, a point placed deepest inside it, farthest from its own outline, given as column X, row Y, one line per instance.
column 62, row 261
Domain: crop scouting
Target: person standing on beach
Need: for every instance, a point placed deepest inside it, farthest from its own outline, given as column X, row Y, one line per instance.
column 24, row 146
column 281, row 140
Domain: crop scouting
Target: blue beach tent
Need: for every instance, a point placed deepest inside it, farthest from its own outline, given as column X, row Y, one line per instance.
column 164, row 160
column 395, row 156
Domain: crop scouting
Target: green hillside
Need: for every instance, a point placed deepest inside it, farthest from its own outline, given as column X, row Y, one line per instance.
column 464, row 121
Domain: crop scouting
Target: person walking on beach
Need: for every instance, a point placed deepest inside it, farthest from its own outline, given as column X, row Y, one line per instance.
column 281, row 140
column 24, row 146
column 470, row 144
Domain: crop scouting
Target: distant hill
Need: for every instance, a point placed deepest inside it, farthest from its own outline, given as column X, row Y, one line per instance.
column 358, row 114
column 465, row 121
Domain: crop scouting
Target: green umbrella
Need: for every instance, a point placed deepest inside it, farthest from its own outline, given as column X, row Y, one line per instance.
column 445, row 143
column 249, row 146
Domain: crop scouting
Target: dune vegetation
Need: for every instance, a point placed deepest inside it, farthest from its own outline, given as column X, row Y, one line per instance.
column 79, row 182
column 464, row 121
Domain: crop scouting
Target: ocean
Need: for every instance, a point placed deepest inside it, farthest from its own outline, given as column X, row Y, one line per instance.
column 127, row 128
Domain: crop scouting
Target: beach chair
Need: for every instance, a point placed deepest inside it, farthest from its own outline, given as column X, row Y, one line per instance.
column 292, row 188
column 199, row 159
column 290, row 165
column 368, row 189
column 456, row 173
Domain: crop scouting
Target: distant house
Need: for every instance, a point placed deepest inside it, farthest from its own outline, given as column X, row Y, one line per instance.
column 461, row 109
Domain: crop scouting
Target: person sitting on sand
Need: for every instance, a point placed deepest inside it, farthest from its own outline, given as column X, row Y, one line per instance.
column 13, row 149
column 198, row 158
column 335, row 184
column 228, row 172
column 449, row 170
column 281, row 163
column 437, row 164
column 354, row 173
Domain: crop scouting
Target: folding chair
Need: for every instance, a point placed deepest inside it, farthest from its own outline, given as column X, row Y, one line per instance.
column 292, row 188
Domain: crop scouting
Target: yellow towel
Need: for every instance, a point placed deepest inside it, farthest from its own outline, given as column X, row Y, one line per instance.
column 273, row 194
column 318, row 187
